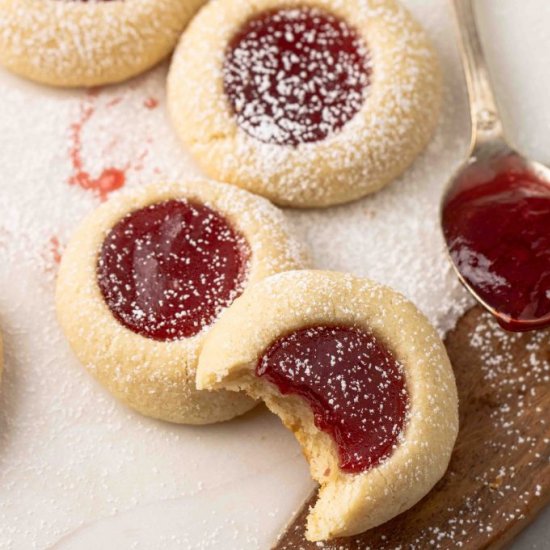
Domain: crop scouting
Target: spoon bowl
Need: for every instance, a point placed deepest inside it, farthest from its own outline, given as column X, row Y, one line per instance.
column 495, row 212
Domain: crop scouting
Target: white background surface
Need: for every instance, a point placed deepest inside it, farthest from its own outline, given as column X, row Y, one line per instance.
column 77, row 467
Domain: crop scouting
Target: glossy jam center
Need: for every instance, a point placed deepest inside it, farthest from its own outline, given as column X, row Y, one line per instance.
column 166, row 271
column 497, row 227
column 295, row 75
column 353, row 384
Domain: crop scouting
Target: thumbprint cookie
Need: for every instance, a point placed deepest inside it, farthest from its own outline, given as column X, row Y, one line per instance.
column 146, row 276
column 89, row 43
column 360, row 377
column 306, row 102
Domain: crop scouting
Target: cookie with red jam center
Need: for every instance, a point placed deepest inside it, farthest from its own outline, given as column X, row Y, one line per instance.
column 308, row 103
column 146, row 276
column 360, row 377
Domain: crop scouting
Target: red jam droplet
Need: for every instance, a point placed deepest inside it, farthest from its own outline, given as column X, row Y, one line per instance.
column 496, row 222
column 353, row 384
column 151, row 103
column 166, row 271
column 295, row 75
column 110, row 179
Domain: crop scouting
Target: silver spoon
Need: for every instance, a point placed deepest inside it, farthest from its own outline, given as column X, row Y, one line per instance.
column 488, row 146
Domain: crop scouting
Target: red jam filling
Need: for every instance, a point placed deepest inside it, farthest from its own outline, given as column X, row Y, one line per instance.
column 167, row 270
column 353, row 384
column 295, row 75
column 497, row 227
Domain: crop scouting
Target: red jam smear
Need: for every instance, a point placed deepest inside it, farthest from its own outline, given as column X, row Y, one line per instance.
column 295, row 75
column 496, row 222
column 353, row 384
column 167, row 270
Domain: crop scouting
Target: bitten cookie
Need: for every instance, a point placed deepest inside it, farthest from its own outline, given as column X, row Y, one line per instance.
column 307, row 102
column 146, row 276
column 80, row 43
column 360, row 377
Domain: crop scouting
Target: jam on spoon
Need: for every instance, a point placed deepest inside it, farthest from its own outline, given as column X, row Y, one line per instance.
column 496, row 221
column 353, row 384
column 167, row 270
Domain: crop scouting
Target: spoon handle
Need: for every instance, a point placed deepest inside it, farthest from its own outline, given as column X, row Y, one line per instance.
column 486, row 122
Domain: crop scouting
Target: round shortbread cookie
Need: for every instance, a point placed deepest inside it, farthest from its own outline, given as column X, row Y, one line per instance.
column 277, row 343
column 146, row 275
column 79, row 43
column 306, row 102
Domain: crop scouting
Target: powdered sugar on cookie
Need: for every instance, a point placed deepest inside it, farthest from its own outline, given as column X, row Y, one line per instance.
column 74, row 43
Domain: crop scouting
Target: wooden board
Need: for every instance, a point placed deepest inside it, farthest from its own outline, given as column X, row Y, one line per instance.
column 499, row 476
